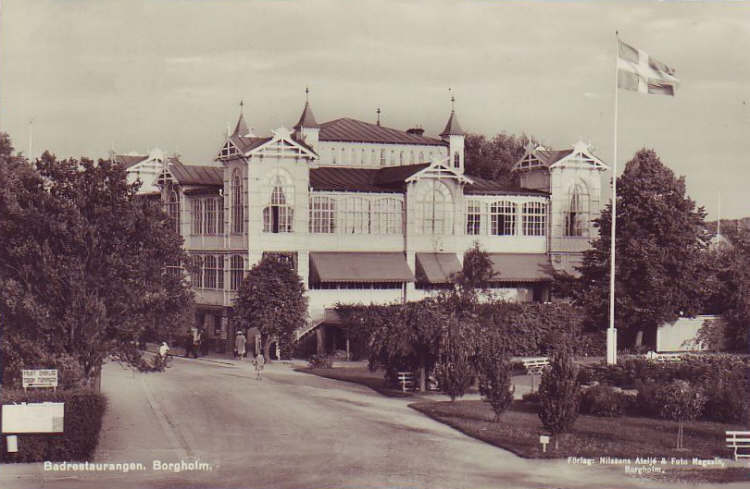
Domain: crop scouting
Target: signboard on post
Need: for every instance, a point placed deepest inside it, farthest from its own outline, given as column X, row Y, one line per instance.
column 39, row 378
column 44, row 417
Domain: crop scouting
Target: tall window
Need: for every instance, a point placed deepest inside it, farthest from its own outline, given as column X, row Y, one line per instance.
column 220, row 215
column 322, row 215
column 577, row 215
column 411, row 157
column 456, row 160
column 421, row 157
column 236, row 271
column 238, row 207
column 534, row 219
column 279, row 215
column 197, row 227
column 503, row 218
column 196, row 277
column 209, row 272
column 220, row 272
column 473, row 217
column 387, row 216
column 373, row 157
column 173, row 210
column 333, row 156
column 363, row 158
column 210, row 209
column 435, row 209
column 354, row 215
column 401, row 158
column 382, row 157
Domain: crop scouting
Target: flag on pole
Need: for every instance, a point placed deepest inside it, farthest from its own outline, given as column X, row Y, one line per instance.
column 637, row 71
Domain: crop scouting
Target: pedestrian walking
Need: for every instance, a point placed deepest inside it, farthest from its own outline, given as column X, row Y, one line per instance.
column 240, row 345
column 196, row 342
column 163, row 352
column 259, row 363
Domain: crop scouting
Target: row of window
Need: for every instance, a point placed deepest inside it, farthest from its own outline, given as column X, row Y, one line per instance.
column 207, row 216
column 208, row 271
column 355, row 215
column 500, row 218
column 381, row 157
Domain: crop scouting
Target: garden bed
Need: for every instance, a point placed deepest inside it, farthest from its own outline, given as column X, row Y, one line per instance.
column 624, row 437
column 358, row 375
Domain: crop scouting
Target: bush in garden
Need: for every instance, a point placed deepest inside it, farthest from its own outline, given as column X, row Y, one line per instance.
column 83, row 415
column 559, row 392
column 494, row 372
column 680, row 401
column 603, row 400
column 454, row 374
column 727, row 393
column 320, row 360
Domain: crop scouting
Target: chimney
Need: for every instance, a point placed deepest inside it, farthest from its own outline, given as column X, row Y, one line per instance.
column 417, row 131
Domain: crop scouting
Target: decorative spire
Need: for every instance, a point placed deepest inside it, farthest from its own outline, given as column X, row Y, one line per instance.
column 452, row 127
column 241, row 128
column 378, row 112
column 307, row 119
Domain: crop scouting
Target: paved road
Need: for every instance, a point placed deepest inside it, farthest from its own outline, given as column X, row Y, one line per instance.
column 291, row 430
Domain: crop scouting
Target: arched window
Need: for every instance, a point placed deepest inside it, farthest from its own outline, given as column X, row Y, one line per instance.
column 173, row 210
column 354, row 215
column 456, row 160
column 577, row 213
column 502, row 218
column 387, row 216
column 473, row 217
column 238, row 203
column 322, row 214
column 197, row 227
column 236, row 271
column 279, row 214
column 534, row 219
column 435, row 209
column 209, row 272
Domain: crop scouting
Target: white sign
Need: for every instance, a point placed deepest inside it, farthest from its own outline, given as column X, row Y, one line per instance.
column 45, row 417
column 544, row 440
column 39, row 378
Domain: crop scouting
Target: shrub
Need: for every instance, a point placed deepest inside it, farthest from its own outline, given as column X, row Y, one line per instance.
column 680, row 401
column 726, row 391
column 603, row 400
column 320, row 360
column 494, row 382
column 83, row 420
column 559, row 392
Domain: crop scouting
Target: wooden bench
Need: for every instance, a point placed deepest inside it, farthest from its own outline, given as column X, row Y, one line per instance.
column 535, row 365
column 663, row 357
column 739, row 440
column 406, row 379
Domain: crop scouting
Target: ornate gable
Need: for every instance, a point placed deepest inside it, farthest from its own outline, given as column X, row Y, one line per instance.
column 440, row 170
column 282, row 145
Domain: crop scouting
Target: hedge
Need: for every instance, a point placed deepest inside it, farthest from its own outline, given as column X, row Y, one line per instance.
column 84, row 411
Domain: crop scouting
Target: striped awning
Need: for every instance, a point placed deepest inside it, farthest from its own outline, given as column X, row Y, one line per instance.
column 436, row 268
column 521, row 267
column 359, row 267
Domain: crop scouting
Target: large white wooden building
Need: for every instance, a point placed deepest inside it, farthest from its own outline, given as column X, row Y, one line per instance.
column 367, row 213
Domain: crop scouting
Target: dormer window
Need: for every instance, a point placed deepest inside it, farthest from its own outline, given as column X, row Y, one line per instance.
column 228, row 150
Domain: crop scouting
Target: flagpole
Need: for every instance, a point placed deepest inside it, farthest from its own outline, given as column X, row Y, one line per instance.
column 611, row 331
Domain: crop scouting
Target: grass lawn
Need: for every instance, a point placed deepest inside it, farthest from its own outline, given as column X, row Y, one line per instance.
column 594, row 437
column 358, row 375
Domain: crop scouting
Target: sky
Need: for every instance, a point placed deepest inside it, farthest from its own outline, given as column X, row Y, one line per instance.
column 87, row 76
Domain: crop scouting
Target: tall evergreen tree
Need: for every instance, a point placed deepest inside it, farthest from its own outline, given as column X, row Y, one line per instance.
column 659, row 244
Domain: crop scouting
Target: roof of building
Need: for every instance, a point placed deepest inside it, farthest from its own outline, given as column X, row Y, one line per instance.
column 241, row 128
column 126, row 161
column 195, row 174
column 359, row 267
column 245, row 144
column 307, row 119
column 341, row 179
column 483, row 186
column 452, row 127
column 352, row 130
column 521, row 267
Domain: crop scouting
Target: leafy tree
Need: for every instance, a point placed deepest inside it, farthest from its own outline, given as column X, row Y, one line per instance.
column 660, row 239
column 476, row 272
column 454, row 370
column 272, row 299
column 559, row 391
column 681, row 402
column 494, row 370
column 83, row 265
column 493, row 159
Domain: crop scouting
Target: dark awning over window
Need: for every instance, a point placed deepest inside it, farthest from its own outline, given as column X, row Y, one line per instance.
column 521, row 267
column 436, row 268
column 359, row 267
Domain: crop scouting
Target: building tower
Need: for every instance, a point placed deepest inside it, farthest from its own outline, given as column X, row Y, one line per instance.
column 307, row 129
column 454, row 136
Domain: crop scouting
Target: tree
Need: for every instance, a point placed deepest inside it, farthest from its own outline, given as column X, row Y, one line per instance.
column 493, row 159
column 681, row 402
column 272, row 299
column 659, row 242
column 494, row 370
column 559, row 391
column 476, row 272
column 83, row 265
